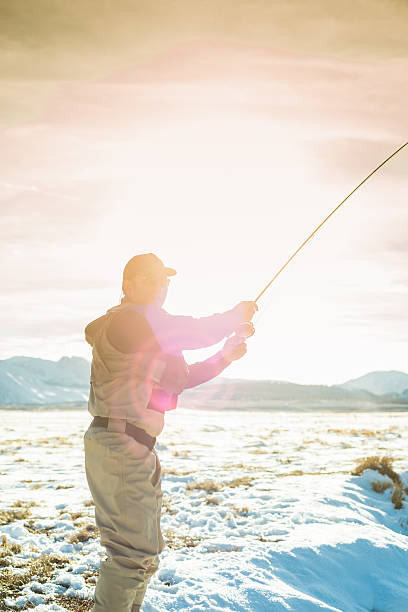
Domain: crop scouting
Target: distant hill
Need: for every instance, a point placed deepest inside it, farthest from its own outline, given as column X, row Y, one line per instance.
column 380, row 383
column 29, row 380
column 33, row 381
column 272, row 394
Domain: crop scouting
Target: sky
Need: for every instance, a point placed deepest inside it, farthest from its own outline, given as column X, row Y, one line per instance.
column 217, row 139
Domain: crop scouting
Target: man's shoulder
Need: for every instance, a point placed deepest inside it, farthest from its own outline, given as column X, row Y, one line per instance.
column 129, row 329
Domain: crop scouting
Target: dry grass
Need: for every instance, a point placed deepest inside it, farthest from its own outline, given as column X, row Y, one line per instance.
column 55, row 440
column 357, row 432
column 397, row 497
column 175, row 472
column 383, row 465
column 233, row 466
column 88, row 503
column 176, row 541
column 74, row 515
column 166, row 506
column 380, row 486
column 212, row 487
column 64, row 487
column 40, row 569
column 241, row 511
column 29, row 525
column 206, row 485
column 301, row 473
column 11, row 515
column 262, row 539
column 84, row 534
column 212, row 500
column 90, row 576
column 242, row 481
column 7, row 549
column 183, row 453
column 73, row 603
column 19, row 503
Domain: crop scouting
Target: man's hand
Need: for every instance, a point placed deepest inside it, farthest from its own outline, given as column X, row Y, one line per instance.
column 234, row 348
column 248, row 308
column 245, row 330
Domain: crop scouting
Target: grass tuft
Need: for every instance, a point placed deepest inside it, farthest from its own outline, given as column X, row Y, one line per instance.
column 84, row 534
column 242, row 481
column 39, row 569
column 212, row 487
column 176, row 541
column 205, row 485
column 19, row 503
column 73, row 603
column 7, row 549
column 380, row 486
column 166, row 506
column 242, row 511
column 11, row 515
column 383, row 465
column 184, row 453
column 75, row 515
column 397, row 497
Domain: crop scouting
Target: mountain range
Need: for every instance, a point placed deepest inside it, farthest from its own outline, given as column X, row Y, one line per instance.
column 33, row 381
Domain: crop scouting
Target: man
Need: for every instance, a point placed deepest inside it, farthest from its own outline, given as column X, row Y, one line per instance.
column 137, row 373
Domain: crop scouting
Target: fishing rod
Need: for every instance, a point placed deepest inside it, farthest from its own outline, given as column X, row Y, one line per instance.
column 328, row 217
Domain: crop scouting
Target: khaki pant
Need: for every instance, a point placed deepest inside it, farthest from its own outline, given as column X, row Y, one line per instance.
column 124, row 477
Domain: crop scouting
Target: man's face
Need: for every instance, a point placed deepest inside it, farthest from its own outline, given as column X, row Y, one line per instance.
column 145, row 289
column 161, row 289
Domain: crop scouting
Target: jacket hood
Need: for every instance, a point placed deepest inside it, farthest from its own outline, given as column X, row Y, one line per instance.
column 92, row 329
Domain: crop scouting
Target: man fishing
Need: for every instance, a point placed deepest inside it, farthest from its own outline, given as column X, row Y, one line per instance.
column 137, row 372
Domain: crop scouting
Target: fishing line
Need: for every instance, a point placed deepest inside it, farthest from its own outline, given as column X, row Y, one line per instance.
column 328, row 217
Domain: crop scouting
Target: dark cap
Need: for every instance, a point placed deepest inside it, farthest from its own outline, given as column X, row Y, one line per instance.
column 146, row 264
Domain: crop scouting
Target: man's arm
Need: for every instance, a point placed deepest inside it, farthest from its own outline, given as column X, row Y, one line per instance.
column 234, row 348
column 176, row 333
column 202, row 371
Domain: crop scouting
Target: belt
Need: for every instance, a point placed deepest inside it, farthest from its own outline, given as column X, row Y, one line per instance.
column 131, row 430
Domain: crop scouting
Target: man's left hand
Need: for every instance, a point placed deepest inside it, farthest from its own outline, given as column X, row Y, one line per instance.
column 234, row 348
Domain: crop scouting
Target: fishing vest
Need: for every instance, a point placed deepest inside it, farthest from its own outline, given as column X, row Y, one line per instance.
column 122, row 383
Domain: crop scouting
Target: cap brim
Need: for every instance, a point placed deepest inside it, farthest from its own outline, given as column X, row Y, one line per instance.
column 170, row 271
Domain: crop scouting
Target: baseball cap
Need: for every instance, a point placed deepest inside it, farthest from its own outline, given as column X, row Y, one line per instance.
column 146, row 264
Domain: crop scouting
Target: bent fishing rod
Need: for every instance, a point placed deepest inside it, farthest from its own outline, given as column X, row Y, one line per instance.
column 324, row 221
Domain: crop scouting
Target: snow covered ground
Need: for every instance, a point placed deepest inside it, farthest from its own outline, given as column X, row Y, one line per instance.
column 260, row 513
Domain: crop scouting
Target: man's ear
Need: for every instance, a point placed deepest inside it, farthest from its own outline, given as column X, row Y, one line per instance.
column 126, row 285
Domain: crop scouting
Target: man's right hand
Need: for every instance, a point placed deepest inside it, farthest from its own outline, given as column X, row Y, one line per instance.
column 249, row 309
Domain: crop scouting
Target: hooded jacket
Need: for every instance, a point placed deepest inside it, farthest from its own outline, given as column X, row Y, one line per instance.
column 140, row 385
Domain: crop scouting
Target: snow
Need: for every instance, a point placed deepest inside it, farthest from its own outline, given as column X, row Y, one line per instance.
column 298, row 532
column 9, row 374
column 29, row 380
